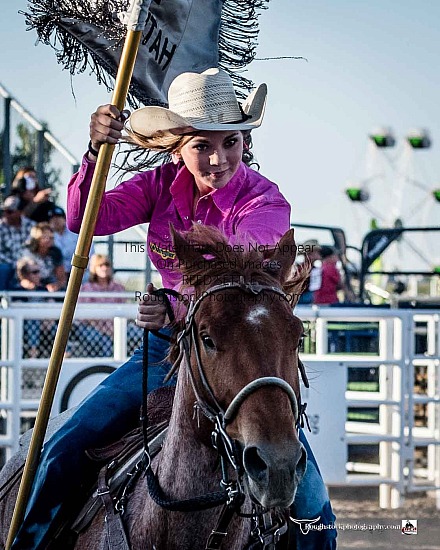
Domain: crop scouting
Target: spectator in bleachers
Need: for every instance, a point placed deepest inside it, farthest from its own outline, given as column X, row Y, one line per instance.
column 101, row 280
column 314, row 280
column 96, row 335
column 29, row 279
column 37, row 203
column 330, row 278
column 42, row 249
column 64, row 239
column 14, row 232
column 29, row 275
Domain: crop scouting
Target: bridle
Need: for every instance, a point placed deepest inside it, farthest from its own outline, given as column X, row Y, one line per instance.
column 232, row 496
column 188, row 336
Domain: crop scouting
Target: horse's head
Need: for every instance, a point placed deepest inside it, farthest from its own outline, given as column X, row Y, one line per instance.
column 241, row 329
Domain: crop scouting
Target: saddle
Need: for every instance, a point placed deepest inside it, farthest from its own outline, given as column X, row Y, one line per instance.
column 117, row 462
column 122, row 461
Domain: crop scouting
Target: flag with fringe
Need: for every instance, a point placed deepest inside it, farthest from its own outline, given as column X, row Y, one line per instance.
column 179, row 36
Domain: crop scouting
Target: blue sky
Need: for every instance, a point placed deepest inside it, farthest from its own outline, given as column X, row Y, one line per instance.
column 369, row 63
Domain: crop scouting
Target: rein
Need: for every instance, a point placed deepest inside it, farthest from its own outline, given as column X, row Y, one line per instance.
column 203, row 502
column 232, row 495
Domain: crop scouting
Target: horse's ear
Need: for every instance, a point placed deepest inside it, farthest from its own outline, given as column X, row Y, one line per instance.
column 283, row 256
column 185, row 252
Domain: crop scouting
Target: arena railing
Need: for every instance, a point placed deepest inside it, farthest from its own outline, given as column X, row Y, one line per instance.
column 373, row 401
column 390, row 401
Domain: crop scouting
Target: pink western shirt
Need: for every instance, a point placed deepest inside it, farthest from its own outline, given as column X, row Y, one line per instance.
column 249, row 209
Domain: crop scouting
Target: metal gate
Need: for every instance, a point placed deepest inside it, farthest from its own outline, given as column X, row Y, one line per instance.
column 373, row 402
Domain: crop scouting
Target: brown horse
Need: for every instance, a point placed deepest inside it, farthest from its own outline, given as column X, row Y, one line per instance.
column 238, row 378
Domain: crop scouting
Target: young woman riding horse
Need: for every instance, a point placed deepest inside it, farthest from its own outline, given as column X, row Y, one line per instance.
column 206, row 183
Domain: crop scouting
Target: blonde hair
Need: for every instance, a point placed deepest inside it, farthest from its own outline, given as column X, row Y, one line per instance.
column 36, row 234
column 95, row 260
column 24, row 266
column 162, row 142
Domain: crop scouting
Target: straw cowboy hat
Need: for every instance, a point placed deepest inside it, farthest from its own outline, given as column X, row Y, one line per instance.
column 205, row 101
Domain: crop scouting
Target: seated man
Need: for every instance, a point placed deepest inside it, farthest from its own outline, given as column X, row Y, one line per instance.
column 29, row 280
column 14, row 232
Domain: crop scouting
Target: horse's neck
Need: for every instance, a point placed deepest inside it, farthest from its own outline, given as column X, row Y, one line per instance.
column 186, row 465
column 186, row 468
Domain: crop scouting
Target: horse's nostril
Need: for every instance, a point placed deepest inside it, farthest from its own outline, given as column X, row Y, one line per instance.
column 254, row 464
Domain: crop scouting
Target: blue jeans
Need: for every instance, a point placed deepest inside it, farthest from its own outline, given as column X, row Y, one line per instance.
column 65, row 473
column 6, row 276
column 312, row 501
column 112, row 408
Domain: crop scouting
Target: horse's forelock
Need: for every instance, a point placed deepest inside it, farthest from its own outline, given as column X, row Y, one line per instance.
column 216, row 259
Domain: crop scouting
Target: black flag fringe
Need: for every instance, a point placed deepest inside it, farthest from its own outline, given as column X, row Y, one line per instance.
column 54, row 20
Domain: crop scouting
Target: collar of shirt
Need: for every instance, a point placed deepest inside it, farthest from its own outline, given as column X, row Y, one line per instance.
column 223, row 198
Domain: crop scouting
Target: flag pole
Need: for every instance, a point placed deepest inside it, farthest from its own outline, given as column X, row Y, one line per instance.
column 135, row 19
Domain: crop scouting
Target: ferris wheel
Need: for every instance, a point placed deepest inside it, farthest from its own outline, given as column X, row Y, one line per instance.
column 395, row 191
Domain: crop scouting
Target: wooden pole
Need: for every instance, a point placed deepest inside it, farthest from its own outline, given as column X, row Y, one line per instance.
column 79, row 263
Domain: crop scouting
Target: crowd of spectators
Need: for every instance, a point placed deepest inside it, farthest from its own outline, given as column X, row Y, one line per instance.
column 15, row 230
column 35, row 254
column 33, row 226
column 21, row 237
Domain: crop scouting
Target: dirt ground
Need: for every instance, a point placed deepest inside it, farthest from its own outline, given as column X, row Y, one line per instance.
column 363, row 525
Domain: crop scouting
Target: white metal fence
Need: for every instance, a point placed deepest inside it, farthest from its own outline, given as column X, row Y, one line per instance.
column 373, row 402
column 392, row 379
column 27, row 331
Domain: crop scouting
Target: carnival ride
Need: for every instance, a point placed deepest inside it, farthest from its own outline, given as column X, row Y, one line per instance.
column 396, row 201
column 359, row 290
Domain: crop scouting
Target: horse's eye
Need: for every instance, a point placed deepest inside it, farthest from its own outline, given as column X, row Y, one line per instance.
column 208, row 342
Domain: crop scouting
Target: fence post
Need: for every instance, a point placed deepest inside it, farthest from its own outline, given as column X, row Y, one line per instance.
column 40, row 158
column 7, row 169
column 111, row 249
column 42, row 134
